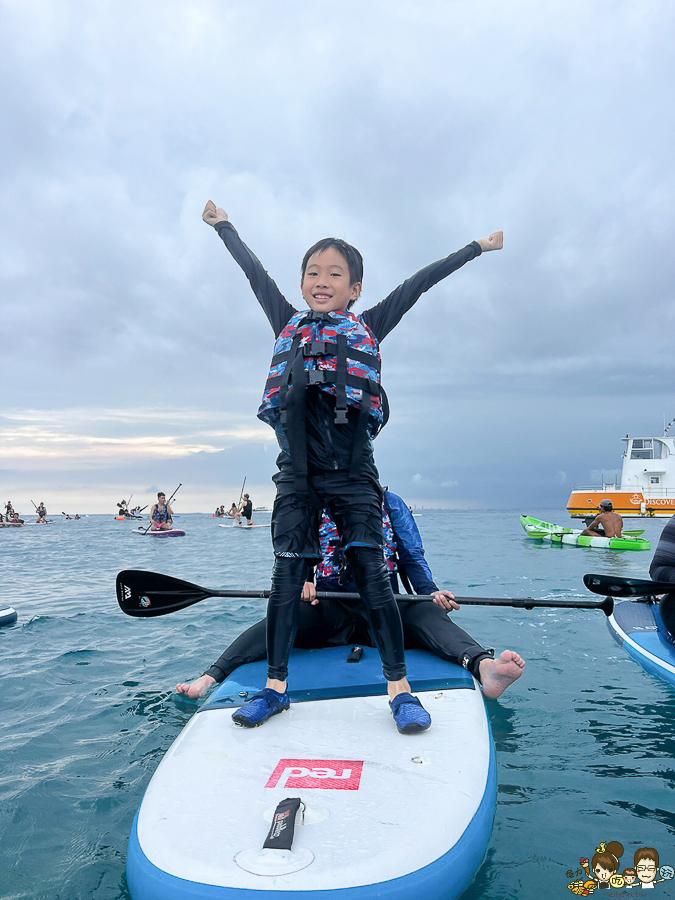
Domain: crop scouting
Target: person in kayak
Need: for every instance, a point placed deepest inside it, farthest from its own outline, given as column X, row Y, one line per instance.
column 161, row 515
column 329, row 622
column 324, row 399
column 662, row 568
column 246, row 509
column 607, row 524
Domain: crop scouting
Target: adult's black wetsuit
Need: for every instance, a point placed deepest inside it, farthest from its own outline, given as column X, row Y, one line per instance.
column 247, row 509
column 354, row 500
column 331, row 623
column 662, row 568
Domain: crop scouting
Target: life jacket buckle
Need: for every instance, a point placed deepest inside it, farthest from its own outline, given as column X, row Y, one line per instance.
column 315, row 376
column 341, row 417
column 314, row 348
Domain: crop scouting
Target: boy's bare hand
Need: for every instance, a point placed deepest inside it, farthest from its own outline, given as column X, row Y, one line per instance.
column 494, row 242
column 213, row 214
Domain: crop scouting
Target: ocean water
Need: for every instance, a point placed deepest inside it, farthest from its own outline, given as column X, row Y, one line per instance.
column 585, row 740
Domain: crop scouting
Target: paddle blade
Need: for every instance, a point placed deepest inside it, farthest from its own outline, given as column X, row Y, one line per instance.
column 145, row 594
column 616, row 586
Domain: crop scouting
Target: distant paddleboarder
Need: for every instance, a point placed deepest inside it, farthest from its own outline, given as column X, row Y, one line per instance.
column 161, row 514
column 246, row 509
column 41, row 514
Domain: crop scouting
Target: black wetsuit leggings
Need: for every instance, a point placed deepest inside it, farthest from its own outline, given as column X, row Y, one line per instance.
column 334, row 623
column 371, row 577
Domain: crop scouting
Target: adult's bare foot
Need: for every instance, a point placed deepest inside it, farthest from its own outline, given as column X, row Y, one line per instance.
column 198, row 688
column 497, row 674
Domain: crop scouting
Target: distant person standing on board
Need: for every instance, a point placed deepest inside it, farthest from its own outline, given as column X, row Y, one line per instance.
column 662, row 568
column 9, row 509
column 607, row 523
column 41, row 514
column 246, row 509
column 161, row 514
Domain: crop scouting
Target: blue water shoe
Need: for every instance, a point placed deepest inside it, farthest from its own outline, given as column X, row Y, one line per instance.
column 261, row 707
column 409, row 714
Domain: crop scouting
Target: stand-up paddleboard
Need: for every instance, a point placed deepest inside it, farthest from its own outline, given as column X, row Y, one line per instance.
column 172, row 533
column 8, row 615
column 247, row 527
column 385, row 815
column 12, row 524
column 639, row 628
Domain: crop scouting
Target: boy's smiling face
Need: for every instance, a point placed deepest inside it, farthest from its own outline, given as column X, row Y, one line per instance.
column 326, row 286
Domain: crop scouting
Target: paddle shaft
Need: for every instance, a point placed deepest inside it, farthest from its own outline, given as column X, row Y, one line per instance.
column 518, row 602
column 241, row 494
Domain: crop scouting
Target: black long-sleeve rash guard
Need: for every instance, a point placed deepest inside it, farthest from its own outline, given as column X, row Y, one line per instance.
column 330, row 445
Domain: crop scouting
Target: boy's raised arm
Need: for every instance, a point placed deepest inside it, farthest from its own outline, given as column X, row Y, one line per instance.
column 384, row 317
column 277, row 309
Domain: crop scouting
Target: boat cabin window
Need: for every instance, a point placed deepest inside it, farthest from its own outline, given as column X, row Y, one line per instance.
column 655, row 479
column 642, row 449
column 648, row 448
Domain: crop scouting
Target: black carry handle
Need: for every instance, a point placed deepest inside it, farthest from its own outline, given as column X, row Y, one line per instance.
column 282, row 831
column 146, row 594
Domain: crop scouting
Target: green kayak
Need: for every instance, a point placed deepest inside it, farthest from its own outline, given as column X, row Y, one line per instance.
column 547, row 531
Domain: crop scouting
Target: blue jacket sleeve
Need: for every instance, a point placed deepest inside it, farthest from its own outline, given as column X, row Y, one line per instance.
column 409, row 546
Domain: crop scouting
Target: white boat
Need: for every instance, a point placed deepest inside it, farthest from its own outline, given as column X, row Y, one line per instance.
column 646, row 486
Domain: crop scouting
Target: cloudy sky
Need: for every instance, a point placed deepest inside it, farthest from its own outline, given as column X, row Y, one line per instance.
column 133, row 352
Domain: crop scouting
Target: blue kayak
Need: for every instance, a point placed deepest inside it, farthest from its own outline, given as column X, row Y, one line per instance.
column 383, row 815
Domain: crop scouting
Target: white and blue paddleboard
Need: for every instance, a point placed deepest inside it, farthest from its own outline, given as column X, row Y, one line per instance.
column 245, row 527
column 8, row 615
column 164, row 534
column 386, row 815
column 639, row 628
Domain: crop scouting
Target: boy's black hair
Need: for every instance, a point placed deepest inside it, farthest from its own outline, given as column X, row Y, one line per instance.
column 351, row 254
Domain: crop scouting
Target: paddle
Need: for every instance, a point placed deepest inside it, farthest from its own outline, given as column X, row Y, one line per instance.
column 168, row 505
column 541, row 534
column 145, row 594
column 616, row 586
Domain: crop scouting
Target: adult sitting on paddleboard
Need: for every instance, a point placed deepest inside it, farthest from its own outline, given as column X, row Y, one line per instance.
column 161, row 514
column 662, row 568
column 607, row 524
column 426, row 625
column 324, row 399
column 246, row 509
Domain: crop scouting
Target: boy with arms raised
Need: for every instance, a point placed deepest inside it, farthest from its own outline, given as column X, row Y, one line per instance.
column 324, row 399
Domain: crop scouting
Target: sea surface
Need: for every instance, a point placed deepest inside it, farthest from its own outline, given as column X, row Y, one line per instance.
column 585, row 740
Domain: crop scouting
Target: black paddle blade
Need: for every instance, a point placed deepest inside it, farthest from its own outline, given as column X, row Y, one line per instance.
column 616, row 586
column 145, row 594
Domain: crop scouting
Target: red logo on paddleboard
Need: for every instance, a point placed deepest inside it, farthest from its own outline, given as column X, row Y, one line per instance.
column 327, row 774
